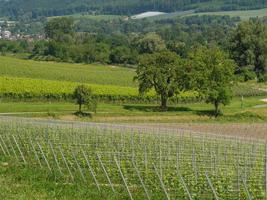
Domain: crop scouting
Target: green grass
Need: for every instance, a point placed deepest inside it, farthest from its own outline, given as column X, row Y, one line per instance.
column 79, row 16
column 93, row 74
column 31, row 183
column 243, row 14
column 253, row 110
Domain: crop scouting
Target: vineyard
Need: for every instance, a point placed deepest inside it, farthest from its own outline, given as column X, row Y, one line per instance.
column 25, row 88
column 132, row 162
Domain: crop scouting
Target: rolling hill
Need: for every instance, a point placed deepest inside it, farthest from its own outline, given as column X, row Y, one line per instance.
column 37, row 8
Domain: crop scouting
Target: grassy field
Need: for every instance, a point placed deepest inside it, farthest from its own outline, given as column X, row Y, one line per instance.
column 94, row 74
column 243, row 14
column 253, row 110
column 90, row 16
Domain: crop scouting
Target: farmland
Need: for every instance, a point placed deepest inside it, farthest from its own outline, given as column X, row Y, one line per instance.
column 92, row 17
column 44, row 89
column 243, row 14
column 170, row 107
column 94, row 74
column 34, row 88
column 128, row 162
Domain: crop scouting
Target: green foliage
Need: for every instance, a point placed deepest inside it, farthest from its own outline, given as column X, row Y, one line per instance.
column 18, row 9
column 60, row 29
column 7, row 46
column 34, row 89
column 83, row 95
column 123, row 55
column 248, row 47
column 150, row 43
column 263, row 77
column 212, row 74
column 247, row 74
column 159, row 71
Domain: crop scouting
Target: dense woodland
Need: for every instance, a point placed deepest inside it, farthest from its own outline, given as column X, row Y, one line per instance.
column 18, row 9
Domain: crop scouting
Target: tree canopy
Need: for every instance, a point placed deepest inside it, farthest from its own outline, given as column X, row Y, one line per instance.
column 248, row 47
column 159, row 71
column 212, row 74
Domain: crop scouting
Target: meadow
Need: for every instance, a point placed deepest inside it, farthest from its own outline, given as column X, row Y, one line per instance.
column 243, row 14
column 94, row 74
column 64, row 160
column 251, row 109
column 90, row 16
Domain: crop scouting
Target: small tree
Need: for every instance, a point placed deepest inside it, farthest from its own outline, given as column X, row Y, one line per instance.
column 159, row 71
column 84, row 96
column 212, row 74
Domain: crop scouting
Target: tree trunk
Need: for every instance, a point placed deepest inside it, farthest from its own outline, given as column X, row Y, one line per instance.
column 164, row 101
column 80, row 107
column 217, row 111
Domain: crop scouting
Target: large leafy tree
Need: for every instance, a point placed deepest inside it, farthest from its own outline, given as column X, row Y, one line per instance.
column 159, row 71
column 248, row 47
column 212, row 74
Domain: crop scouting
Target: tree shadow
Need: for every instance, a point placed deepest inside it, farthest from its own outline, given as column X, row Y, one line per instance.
column 83, row 114
column 147, row 108
column 209, row 113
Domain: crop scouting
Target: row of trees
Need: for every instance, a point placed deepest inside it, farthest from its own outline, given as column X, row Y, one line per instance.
column 207, row 70
column 246, row 44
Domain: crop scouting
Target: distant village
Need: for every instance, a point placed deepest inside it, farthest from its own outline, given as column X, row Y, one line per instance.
column 6, row 34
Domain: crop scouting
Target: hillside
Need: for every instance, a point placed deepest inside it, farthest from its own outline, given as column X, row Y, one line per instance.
column 37, row 8
column 93, row 74
column 243, row 14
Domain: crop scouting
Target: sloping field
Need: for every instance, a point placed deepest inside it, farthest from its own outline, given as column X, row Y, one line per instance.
column 92, row 17
column 93, row 74
column 243, row 14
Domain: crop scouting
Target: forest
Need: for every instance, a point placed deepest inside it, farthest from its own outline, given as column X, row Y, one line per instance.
column 17, row 9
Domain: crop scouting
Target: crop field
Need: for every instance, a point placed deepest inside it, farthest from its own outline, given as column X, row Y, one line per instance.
column 90, row 16
column 33, row 79
column 243, row 14
column 26, row 88
column 34, row 88
column 128, row 162
column 94, row 74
